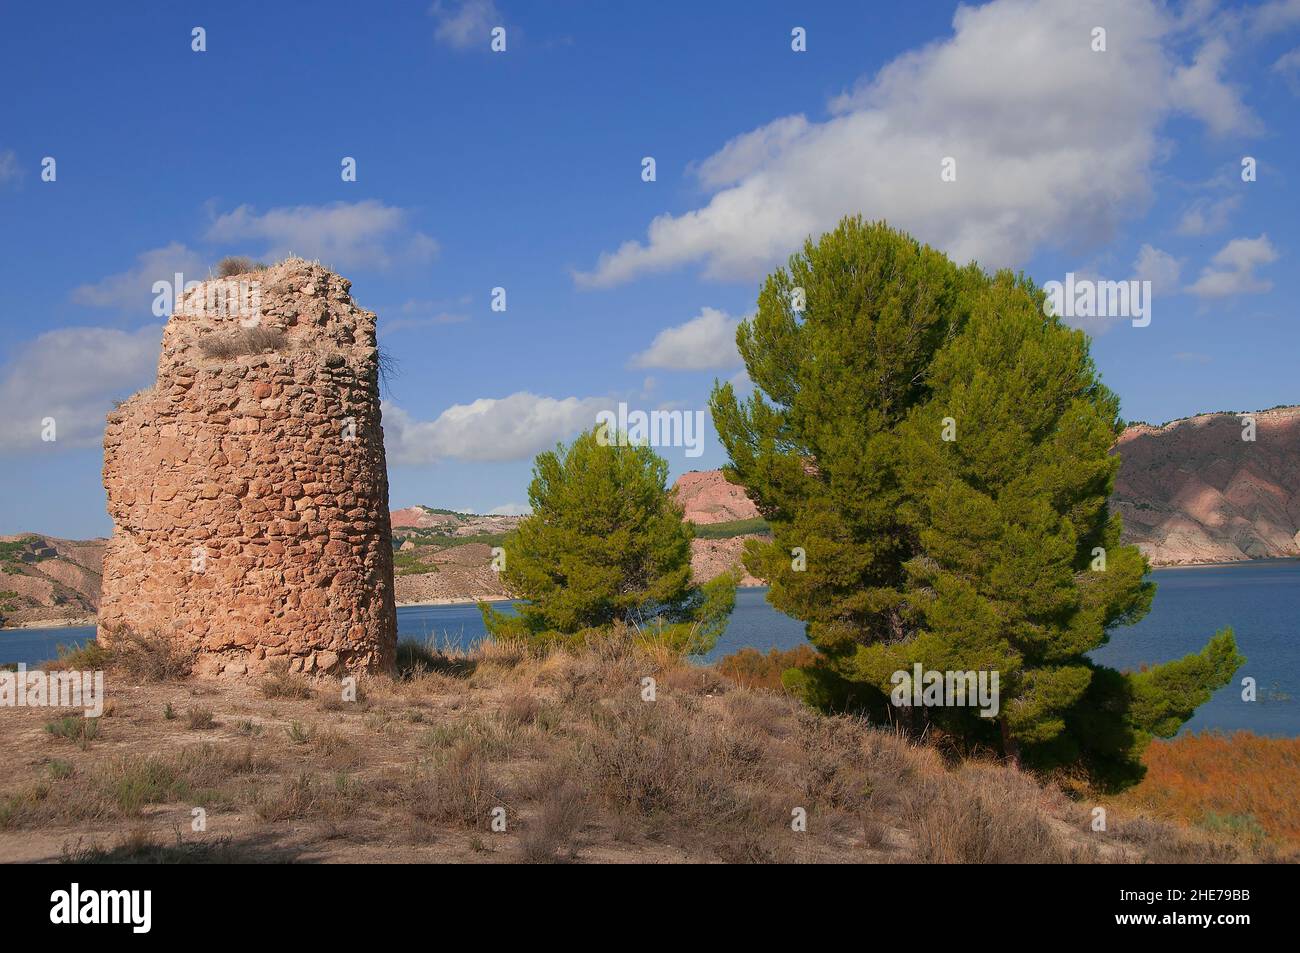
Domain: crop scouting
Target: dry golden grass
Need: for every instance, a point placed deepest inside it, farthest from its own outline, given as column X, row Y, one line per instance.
column 562, row 746
column 255, row 340
column 233, row 265
column 1241, row 784
column 199, row 719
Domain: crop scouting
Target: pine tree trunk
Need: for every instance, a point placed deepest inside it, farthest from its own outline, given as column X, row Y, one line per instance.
column 905, row 721
column 1010, row 747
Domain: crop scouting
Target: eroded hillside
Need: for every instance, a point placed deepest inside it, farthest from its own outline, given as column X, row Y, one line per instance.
column 1194, row 491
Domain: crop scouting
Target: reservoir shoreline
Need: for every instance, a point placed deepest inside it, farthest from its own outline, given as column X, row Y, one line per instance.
column 1258, row 599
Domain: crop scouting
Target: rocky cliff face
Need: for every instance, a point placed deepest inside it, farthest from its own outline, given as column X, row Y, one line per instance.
column 710, row 558
column 1194, row 491
column 1191, row 491
column 248, row 487
column 706, row 497
column 421, row 517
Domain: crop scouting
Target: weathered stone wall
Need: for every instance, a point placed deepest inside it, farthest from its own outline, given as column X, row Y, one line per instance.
column 248, row 487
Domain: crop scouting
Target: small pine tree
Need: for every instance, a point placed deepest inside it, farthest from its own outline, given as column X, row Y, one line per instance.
column 606, row 545
column 939, row 449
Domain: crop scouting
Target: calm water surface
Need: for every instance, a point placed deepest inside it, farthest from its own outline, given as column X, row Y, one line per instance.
column 1260, row 600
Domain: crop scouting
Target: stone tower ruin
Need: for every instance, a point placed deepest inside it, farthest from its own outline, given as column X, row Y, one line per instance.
column 248, row 486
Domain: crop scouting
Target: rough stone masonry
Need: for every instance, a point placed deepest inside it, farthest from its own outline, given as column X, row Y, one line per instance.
column 248, row 487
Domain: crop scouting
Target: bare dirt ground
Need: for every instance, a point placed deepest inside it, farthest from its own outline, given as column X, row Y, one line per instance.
column 561, row 747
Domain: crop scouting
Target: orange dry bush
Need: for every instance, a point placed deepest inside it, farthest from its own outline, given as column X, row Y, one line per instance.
column 1238, row 783
column 752, row 669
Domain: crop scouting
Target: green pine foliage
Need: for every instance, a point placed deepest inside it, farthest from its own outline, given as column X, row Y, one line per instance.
column 939, row 450
column 605, row 545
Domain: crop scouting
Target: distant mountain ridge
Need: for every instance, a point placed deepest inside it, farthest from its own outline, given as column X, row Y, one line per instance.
column 1194, row 491
column 1191, row 491
column 449, row 522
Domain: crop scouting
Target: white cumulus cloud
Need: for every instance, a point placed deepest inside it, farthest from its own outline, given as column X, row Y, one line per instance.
column 1206, row 215
column 1054, row 145
column 1288, row 67
column 466, row 24
column 515, row 427
column 132, row 290
column 510, row 509
column 365, row 234
column 749, row 152
column 1198, row 89
column 1232, row 270
column 72, row 375
column 705, row 342
column 1158, row 267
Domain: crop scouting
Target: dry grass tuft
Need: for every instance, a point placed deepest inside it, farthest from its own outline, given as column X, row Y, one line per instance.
column 146, row 656
column 76, row 728
column 200, row 719
column 459, row 787
column 552, row 835
column 282, row 684
column 123, row 786
column 986, row 814
column 233, row 265
column 418, row 659
column 245, row 341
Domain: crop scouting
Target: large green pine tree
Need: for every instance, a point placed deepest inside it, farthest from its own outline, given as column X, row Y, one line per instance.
column 934, row 451
column 606, row 545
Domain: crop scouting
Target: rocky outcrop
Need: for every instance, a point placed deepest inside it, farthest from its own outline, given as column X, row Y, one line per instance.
column 710, row 558
column 706, row 497
column 421, row 517
column 248, row 487
column 1193, row 491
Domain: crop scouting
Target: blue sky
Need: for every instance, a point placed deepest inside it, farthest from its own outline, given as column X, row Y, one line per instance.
column 522, row 169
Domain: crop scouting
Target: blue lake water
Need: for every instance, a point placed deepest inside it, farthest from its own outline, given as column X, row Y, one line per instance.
column 754, row 624
column 1260, row 600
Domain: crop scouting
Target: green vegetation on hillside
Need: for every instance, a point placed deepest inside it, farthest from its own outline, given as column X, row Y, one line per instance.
column 731, row 528
column 438, row 511
column 415, row 561
column 12, row 550
column 932, row 453
column 443, row 540
column 409, row 563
